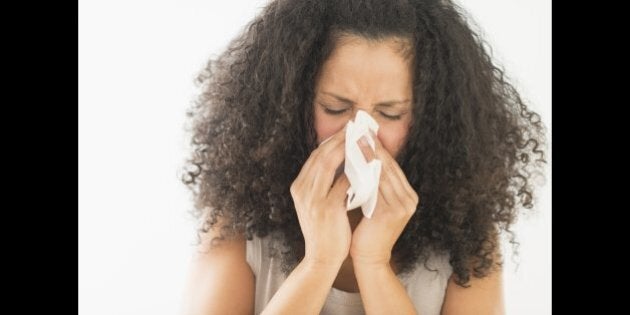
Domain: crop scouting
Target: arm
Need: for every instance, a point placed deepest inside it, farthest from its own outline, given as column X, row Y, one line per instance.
column 324, row 223
column 220, row 280
column 373, row 239
column 484, row 296
column 381, row 291
column 305, row 290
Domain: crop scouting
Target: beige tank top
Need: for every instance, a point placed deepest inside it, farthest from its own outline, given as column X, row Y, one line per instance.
column 425, row 287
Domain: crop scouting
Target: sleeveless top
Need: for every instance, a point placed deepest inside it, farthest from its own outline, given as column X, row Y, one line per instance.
column 426, row 288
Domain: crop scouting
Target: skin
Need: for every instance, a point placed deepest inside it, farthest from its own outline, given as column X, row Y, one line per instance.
column 379, row 83
column 342, row 249
column 374, row 77
column 360, row 75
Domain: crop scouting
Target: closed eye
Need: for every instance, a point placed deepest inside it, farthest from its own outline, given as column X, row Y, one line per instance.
column 396, row 117
column 341, row 111
column 334, row 112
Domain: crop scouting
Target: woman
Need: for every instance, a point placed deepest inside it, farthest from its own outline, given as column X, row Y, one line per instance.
column 456, row 142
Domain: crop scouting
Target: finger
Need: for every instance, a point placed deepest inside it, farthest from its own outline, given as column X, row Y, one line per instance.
column 323, row 173
column 305, row 177
column 367, row 151
column 381, row 152
column 390, row 189
column 329, row 157
column 398, row 191
column 405, row 186
column 384, row 191
column 331, row 142
column 382, row 202
column 389, row 162
column 303, row 180
column 393, row 187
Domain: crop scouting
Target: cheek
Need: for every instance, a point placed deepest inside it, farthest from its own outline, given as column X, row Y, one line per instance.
column 326, row 126
column 392, row 136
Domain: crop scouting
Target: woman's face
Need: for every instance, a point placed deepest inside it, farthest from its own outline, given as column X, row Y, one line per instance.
column 369, row 76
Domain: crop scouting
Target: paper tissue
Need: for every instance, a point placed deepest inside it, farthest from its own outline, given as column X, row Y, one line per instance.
column 363, row 175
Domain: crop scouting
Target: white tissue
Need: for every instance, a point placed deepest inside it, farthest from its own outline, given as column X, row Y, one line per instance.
column 363, row 176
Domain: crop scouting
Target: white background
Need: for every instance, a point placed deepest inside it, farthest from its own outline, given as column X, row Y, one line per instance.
column 137, row 62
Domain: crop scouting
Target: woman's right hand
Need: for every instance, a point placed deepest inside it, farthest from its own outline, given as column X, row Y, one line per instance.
column 321, row 208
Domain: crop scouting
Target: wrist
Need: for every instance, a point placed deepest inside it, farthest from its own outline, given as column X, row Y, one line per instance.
column 371, row 266
column 321, row 264
column 369, row 272
column 371, row 261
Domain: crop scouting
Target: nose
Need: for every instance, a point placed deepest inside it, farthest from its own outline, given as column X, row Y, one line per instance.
column 356, row 109
column 363, row 142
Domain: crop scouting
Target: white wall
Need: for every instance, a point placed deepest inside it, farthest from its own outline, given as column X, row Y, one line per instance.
column 520, row 34
column 137, row 60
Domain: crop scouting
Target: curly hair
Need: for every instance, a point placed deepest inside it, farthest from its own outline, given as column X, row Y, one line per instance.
column 471, row 151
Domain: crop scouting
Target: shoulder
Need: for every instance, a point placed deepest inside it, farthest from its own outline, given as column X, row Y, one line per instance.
column 218, row 274
column 479, row 296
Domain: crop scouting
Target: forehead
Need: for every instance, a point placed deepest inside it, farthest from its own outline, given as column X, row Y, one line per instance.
column 358, row 66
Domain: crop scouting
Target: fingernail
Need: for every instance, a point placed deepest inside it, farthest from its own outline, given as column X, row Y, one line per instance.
column 364, row 142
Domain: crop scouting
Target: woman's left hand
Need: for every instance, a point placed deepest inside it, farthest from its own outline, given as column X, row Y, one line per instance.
column 374, row 238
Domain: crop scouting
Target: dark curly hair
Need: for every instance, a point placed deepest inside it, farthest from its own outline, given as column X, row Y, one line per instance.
column 470, row 154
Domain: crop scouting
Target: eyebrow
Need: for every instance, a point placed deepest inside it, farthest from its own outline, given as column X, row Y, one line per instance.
column 350, row 102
